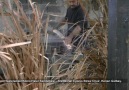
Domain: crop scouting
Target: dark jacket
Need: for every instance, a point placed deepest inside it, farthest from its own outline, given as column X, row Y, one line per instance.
column 76, row 16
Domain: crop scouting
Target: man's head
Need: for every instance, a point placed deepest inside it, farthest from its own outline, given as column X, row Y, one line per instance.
column 73, row 3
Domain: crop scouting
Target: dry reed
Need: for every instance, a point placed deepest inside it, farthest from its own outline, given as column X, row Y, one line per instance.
column 22, row 56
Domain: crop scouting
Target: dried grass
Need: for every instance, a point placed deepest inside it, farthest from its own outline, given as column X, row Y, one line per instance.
column 22, row 56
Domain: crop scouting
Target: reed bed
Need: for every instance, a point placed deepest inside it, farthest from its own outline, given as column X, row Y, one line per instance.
column 22, row 55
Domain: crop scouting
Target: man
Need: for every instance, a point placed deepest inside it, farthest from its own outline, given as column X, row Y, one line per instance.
column 75, row 17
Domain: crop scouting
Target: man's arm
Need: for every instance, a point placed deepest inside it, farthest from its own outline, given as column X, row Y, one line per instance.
column 61, row 23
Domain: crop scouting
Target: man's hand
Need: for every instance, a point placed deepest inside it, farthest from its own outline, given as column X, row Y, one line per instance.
column 67, row 42
column 68, row 39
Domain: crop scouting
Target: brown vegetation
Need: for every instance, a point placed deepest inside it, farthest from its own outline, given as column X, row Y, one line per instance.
column 22, row 56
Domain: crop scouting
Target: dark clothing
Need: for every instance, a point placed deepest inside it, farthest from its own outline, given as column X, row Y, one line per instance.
column 75, row 16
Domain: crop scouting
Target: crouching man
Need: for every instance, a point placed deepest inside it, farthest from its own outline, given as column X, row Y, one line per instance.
column 76, row 20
